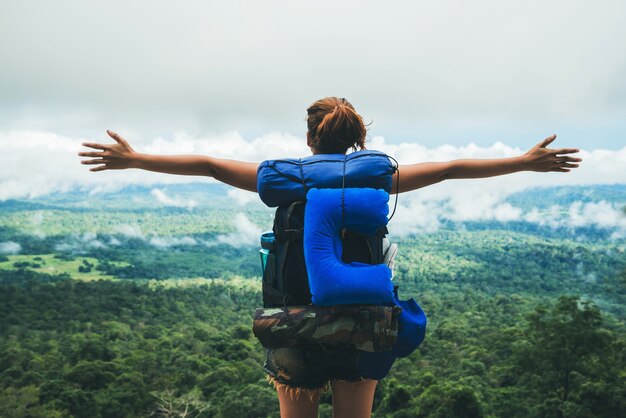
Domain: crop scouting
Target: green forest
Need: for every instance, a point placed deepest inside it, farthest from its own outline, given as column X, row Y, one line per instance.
column 122, row 309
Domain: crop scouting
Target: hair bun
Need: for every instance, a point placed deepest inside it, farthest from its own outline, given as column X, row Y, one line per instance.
column 334, row 126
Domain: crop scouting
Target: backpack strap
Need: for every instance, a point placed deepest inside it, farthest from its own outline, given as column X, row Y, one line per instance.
column 274, row 296
column 382, row 231
column 287, row 234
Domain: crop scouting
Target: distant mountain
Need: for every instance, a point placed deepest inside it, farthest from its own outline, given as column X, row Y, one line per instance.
column 215, row 195
column 544, row 197
column 132, row 197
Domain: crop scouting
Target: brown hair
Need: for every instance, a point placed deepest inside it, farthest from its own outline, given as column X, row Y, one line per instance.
column 334, row 126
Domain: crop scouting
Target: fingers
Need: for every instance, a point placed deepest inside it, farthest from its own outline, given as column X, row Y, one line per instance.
column 569, row 159
column 547, row 141
column 563, row 167
column 96, row 146
column 564, row 163
column 103, row 147
column 100, row 168
column 91, row 154
column 566, row 150
column 115, row 136
column 103, row 162
column 95, row 161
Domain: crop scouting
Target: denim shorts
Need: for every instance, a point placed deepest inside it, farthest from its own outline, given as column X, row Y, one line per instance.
column 311, row 368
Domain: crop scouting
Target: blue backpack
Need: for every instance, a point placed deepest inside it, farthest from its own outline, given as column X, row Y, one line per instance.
column 285, row 183
column 344, row 194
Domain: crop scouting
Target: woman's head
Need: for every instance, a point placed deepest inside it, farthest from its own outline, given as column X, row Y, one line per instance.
column 334, row 126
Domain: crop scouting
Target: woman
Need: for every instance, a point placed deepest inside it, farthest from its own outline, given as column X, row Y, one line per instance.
column 333, row 127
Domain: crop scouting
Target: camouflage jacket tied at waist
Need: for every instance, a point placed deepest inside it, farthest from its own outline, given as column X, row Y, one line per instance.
column 365, row 327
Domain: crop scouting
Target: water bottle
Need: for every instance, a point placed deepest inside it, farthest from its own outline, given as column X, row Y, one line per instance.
column 267, row 252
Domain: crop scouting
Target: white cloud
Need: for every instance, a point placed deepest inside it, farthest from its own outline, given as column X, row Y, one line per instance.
column 591, row 277
column 242, row 197
column 506, row 212
column 166, row 242
column 80, row 243
column 163, row 242
column 468, row 205
column 602, row 214
column 550, row 217
column 169, row 201
column 10, row 247
column 114, row 241
column 247, row 233
column 129, row 231
column 36, row 219
column 414, row 216
column 598, row 214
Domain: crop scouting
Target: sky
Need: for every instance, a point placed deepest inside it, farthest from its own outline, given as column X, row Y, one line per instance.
column 444, row 72
column 438, row 80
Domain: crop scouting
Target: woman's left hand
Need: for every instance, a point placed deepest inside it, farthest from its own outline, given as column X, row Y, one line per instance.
column 540, row 158
column 113, row 156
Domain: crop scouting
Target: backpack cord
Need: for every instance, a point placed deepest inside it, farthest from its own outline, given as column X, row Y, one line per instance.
column 302, row 176
column 343, row 191
column 395, row 204
column 288, row 319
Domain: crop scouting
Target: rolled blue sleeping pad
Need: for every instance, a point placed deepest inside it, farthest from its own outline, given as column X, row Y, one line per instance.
column 331, row 281
column 283, row 181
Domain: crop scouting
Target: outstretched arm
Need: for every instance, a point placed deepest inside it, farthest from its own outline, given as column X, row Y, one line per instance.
column 121, row 155
column 538, row 158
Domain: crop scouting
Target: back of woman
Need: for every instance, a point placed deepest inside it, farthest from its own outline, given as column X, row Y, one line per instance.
column 334, row 127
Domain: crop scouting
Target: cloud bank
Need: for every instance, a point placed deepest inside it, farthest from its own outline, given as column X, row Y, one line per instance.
column 35, row 164
column 245, row 233
column 415, row 216
column 169, row 201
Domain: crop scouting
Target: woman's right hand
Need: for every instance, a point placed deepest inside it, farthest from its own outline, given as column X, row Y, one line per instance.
column 112, row 156
column 543, row 159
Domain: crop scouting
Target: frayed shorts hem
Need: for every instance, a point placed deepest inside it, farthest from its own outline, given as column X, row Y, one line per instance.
column 313, row 393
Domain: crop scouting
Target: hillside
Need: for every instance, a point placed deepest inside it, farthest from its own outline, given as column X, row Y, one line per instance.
column 116, row 304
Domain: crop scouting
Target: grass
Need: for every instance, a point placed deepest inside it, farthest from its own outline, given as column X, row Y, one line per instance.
column 47, row 263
